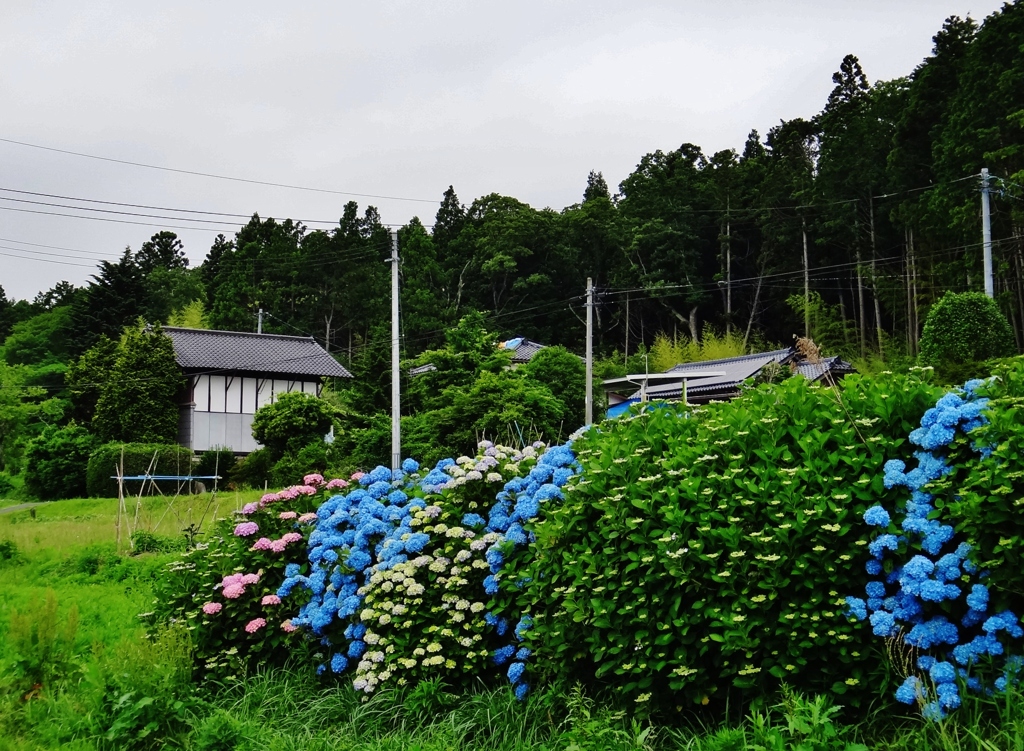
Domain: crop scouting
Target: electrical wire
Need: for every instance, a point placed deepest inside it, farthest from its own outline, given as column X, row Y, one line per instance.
column 196, row 173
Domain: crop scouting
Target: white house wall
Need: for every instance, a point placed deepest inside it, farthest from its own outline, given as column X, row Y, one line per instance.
column 225, row 404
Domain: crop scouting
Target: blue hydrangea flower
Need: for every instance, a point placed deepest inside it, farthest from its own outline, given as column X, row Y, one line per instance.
column 877, row 516
column 515, row 671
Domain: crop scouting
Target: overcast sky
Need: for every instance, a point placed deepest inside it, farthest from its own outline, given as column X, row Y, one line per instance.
column 391, row 98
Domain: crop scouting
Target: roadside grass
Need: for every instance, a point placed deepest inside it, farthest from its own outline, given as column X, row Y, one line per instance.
column 75, row 523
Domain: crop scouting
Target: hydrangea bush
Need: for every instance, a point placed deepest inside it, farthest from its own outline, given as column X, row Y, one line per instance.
column 225, row 589
column 704, row 552
column 396, row 568
column 953, row 617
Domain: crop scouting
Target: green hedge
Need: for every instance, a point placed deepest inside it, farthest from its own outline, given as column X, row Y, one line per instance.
column 171, row 459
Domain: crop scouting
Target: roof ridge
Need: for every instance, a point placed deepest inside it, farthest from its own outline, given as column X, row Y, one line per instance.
column 237, row 333
column 738, row 358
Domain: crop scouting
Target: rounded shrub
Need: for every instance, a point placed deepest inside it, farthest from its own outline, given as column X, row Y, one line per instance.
column 219, row 460
column 965, row 327
column 56, row 462
column 294, row 420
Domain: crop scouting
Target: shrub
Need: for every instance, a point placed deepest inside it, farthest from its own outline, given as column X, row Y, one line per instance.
column 293, row 466
column 105, row 462
column 6, row 484
column 56, row 462
column 254, row 470
column 224, row 589
column 220, row 460
column 396, row 572
column 703, row 552
column 964, row 328
column 293, row 421
column 951, row 594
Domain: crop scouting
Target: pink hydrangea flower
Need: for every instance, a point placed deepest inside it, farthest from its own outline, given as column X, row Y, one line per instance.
column 269, row 498
column 307, row 518
column 357, row 476
column 305, row 490
column 250, row 508
column 250, row 578
column 261, row 544
column 255, row 625
column 287, row 515
column 270, row 600
column 337, row 484
column 288, row 627
column 313, row 479
column 234, row 591
column 231, row 579
column 289, row 537
column 278, row 546
column 212, row 608
column 246, row 529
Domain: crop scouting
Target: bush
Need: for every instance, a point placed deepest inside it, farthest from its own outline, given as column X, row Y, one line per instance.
column 105, row 462
column 254, row 470
column 6, row 484
column 965, row 328
column 224, row 589
column 220, row 460
column 703, row 553
column 43, row 648
column 293, row 421
column 56, row 462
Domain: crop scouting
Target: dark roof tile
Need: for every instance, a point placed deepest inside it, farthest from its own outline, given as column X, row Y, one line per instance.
column 206, row 349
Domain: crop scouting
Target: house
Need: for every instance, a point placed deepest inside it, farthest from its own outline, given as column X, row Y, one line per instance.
column 523, row 350
column 231, row 374
column 717, row 380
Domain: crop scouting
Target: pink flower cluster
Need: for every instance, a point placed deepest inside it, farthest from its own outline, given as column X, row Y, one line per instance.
column 255, row 625
column 308, row 518
column 234, row 584
column 337, row 484
column 313, row 479
column 276, row 546
column 212, row 608
column 250, row 508
column 270, row 600
column 287, row 515
column 357, row 476
column 246, row 529
column 288, row 626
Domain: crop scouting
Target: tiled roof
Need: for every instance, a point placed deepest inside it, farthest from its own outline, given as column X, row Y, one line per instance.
column 522, row 349
column 205, row 349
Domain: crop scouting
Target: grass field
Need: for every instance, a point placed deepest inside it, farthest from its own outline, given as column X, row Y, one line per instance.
column 109, row 687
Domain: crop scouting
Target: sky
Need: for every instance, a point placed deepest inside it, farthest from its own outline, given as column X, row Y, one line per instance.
column 393, row 99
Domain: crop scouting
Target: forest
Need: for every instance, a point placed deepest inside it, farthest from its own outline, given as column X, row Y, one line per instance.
column 845, row 226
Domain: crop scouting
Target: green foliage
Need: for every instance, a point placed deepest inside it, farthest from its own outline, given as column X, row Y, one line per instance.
column 138, row 458
column 7, row 485
column 190, row 316
column 220, row 460
column 830, row 330
column 666, row 353
column 137, row 402
column 220, row 731
column 86, row 376
column 706, row 552
column 565, row 376
column 147, row 542
column 254, row 470
column 291, row 422
column 56, row 461
column 20, row 404
column 42, row 645
column 983, row 493
column 964, row 328
column 40, row 339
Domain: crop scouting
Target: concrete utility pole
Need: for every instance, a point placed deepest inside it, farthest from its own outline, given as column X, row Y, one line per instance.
column 986, row 233
column 259, row 322
column 396, row 412
column 589, row 405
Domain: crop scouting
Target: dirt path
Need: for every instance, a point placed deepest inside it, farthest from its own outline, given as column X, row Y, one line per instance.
column 20, row 507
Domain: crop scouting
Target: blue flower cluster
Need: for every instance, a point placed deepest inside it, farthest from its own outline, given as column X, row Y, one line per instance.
column 900, row 603
column 517, row 504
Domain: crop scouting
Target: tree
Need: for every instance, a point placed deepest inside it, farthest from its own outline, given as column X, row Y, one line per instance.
column 86, row 375
column 597, row 187
column 162, row 251
column 565, row 376
column 291, row 422
column 40, row 340
column 138, row 401
column 113, row 300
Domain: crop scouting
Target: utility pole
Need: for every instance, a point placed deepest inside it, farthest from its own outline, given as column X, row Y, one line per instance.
column 986, row 233
column 259, row 322
column 807, row 282
column 396, row 412
column 589, row 404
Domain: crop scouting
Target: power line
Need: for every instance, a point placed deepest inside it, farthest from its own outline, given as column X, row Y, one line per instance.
column 215, row 176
